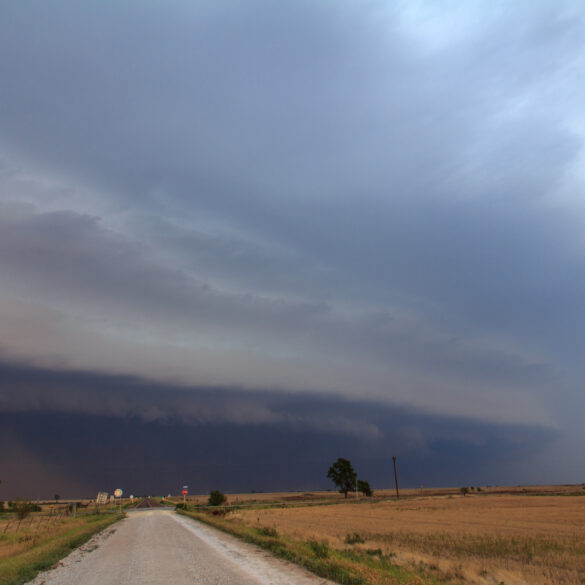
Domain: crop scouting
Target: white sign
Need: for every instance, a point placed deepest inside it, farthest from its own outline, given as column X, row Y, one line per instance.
column 102, row 498
column 118, row 493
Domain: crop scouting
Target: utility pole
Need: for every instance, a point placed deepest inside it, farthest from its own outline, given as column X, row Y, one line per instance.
column 395, row 477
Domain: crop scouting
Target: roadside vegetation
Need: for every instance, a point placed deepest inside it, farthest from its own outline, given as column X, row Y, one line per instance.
column 32, row 540
column 347, row 567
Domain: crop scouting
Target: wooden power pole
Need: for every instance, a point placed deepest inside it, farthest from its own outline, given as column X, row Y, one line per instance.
column 395, row 477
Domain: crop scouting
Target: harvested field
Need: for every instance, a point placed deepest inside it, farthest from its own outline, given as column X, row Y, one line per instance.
column 516, row 539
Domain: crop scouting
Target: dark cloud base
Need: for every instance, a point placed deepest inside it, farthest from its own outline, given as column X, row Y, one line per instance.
column 74, row 448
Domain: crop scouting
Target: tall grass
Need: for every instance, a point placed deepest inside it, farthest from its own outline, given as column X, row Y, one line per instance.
column 38, row 545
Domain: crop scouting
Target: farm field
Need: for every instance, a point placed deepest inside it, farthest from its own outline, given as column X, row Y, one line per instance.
column 516, row 538
column 331, row 496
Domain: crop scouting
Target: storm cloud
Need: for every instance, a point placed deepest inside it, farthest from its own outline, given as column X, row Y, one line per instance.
column 155, row 438
column 268, row 204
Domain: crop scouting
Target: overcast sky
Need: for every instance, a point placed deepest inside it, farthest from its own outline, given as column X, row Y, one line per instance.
column 376, row 206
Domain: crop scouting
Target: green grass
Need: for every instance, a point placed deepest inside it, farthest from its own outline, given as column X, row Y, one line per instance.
column 24, row 566
column 347, row 567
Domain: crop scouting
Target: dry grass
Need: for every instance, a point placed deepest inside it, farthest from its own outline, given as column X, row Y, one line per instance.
column 38, row 541
column 512, row 538
column 341, row 566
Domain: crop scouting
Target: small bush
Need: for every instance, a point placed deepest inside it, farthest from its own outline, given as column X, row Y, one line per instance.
column 354, row 538
column 216, row 498
column 320, row 548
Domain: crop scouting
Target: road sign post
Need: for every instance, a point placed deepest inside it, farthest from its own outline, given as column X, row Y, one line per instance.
column 118, row 495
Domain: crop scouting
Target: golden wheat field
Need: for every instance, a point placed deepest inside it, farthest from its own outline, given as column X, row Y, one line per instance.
column 487, row 539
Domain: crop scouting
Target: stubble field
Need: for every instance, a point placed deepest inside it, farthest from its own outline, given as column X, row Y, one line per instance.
column 512, row 538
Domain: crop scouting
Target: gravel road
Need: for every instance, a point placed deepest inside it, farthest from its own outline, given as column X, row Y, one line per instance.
column 159, row 547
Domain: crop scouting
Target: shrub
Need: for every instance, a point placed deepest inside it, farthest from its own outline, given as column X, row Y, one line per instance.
column 216, row 498
column 364, row 487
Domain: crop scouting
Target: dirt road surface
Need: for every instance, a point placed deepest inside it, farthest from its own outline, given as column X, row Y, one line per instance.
column 159, row 547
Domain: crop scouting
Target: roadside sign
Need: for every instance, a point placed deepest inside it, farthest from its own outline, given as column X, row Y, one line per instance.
column 102, row 498
column 118, row 493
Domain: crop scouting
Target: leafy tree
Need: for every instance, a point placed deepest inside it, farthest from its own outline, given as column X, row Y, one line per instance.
column 57, row 497
column 464, row 490
column 364, row 487
column 216, row 498
column 342, row 474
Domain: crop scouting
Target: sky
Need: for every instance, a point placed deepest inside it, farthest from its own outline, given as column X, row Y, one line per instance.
column 240, row 239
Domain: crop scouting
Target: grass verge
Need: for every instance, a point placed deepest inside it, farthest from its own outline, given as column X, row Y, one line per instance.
column 26, row 564
column 347, row 567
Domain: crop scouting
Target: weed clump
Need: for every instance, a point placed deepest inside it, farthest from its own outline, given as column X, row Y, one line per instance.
column 268, row 531
column 319, row 548
column 354, row 538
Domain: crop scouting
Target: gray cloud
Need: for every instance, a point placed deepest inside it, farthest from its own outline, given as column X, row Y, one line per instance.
column 380, row 203
column 107, row 294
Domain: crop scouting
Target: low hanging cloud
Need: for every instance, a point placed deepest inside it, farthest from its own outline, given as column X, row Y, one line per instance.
column 238, row 439
column 33, row 390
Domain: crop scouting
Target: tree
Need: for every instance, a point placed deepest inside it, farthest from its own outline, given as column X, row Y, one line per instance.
column 216, row 498
column 364, row 487
column 342, row 474
column 57, row 497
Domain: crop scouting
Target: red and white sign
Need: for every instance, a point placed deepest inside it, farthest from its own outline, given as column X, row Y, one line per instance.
column 184, row 492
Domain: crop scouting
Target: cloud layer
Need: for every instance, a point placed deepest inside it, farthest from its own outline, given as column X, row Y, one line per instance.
column 379, row 204
column 155, row 438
